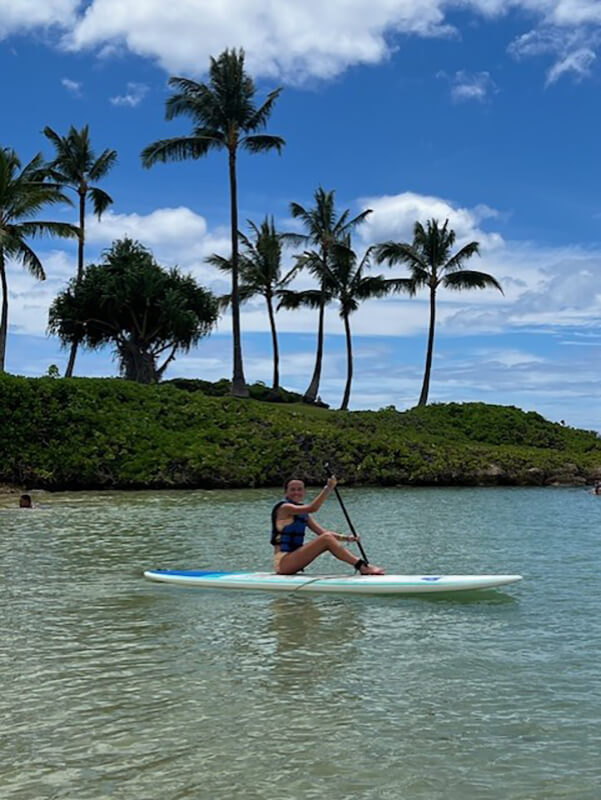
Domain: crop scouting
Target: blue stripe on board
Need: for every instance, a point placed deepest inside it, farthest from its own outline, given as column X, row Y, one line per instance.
column 190, row 573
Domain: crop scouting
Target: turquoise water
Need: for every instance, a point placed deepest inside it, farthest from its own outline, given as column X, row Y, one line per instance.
column 113, row 687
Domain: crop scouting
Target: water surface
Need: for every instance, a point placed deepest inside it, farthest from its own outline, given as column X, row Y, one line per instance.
column 113, row 687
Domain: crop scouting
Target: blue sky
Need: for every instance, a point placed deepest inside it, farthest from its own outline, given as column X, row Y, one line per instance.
column 482, row 111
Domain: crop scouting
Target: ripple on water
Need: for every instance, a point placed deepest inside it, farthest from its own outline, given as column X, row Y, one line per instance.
column 113, row 687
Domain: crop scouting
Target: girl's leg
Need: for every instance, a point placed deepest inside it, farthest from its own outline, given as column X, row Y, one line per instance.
column 298, row 559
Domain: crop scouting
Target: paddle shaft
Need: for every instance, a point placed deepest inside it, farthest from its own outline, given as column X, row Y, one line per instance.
column 350, row 524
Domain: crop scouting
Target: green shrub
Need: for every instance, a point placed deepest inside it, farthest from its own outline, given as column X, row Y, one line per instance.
column 94, row 433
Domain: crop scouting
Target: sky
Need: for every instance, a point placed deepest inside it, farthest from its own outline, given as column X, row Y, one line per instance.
column 482, row 112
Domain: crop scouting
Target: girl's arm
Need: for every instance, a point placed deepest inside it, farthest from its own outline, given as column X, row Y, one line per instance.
column 317, row 528
column 289, row 509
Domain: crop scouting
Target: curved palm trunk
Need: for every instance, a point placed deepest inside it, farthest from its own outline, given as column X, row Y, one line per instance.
column 423, row 398
column 239, row 388
column 4, row 316
column 276, row 354
column 80, row 244
column 310, row 395
column 349, row 363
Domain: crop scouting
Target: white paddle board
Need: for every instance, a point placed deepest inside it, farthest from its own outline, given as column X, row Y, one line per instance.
column 339, row 584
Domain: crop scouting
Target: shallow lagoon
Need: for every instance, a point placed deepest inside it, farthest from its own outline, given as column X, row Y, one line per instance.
column 113, row 687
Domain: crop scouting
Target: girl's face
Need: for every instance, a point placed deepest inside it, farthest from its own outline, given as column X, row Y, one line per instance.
column 296, row 491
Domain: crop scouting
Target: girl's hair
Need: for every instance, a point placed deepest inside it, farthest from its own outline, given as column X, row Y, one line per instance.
column 289, row 481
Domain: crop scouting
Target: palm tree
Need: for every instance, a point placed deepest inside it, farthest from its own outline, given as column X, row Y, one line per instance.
column 346, row 281
column 323, row 229
column 260, row 268
column 225, row 117
column 23, row 193
column 431, row 264
column 75, row 166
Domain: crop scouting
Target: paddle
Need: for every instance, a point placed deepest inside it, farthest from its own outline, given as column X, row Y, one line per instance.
column 348, row 519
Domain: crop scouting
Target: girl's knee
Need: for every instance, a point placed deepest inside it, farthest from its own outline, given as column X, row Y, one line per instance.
column 329, row 539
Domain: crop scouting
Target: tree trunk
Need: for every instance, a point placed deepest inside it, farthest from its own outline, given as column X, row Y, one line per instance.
column 80, row 244
column 161, row 370
column 423, row 398
column 4, row 315
column 276, row 355
column 349, row 364
column 136, row 363
column 310, row 395
column 239, row 388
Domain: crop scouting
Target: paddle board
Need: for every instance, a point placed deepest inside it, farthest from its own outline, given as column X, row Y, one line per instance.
column 339, row 584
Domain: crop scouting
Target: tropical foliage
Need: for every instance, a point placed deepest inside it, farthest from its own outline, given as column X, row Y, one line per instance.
column 75, row 166
column 260, row 268
column 148, row 313
column 106, row 433
column 225, row 117
column 323, row 228
column 348, row 283
column 142, row 310
column 431, row 264
column 24, row 192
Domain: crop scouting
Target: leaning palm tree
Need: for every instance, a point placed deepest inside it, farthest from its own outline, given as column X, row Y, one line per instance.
column 260, row 267
column 323, row 229
column 75, row 166
column 224, row 117
column 431, row 264
column 347, row 282
column 23, row 194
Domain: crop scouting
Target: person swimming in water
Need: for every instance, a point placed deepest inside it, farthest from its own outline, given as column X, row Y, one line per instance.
column 291, row 516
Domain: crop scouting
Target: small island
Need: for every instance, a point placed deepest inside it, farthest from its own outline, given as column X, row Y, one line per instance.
column 110, row 433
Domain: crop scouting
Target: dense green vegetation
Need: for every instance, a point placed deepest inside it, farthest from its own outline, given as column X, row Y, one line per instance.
column 145, row 312
column 95, row 433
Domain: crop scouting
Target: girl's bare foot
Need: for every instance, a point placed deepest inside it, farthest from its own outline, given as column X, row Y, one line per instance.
column 370, row 569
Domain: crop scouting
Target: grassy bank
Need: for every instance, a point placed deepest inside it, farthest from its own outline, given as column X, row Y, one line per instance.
column 109, row 433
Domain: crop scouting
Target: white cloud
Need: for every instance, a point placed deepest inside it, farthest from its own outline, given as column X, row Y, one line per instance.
column 579, row 63
column 287, row 39
column 72, row 86
column 134, row 95
column 465, row 86
column 573, row 48
column 394, row 216
column 19, row 15
column 508, row 357
column 176, row 236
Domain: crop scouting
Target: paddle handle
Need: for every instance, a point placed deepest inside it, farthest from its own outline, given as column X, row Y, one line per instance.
column 348, row 519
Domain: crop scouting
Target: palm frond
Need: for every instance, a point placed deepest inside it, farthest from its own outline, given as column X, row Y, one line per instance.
column 402, row 285
column 469, row 250
column 294, row 239
column 258, row 119
column 103, row 164
column 23, row 252
column 470, row 279
column 32, row 230
column 100, row 200
column 261, row 143
column 399, row 253
column 222, row 263
column 181, row 148
column 350, row 225
column 289, row 299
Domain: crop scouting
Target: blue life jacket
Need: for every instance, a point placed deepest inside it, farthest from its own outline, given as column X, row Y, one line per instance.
column 292, row 536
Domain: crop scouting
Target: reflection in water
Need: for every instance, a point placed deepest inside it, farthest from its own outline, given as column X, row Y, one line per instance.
column 311, row 640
